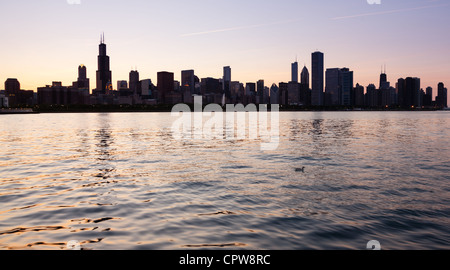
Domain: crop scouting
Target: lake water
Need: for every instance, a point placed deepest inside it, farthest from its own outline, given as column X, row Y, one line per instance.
column 121, row 181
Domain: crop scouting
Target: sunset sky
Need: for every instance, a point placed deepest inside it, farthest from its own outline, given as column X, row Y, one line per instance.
column 45, row 40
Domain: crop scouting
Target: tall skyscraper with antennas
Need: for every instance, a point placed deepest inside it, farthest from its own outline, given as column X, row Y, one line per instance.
column 104, row 74
column 383, row 79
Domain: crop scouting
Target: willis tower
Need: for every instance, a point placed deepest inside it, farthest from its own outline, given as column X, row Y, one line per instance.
column 104, row 76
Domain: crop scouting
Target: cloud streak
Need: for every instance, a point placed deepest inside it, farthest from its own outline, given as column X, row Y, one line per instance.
column 237, row 28
column 388, row 12
column 245, row 27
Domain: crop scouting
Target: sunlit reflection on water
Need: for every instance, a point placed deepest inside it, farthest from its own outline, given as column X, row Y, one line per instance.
column 121, row 181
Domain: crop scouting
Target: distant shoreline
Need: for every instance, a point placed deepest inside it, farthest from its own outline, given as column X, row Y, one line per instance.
column 167, row 108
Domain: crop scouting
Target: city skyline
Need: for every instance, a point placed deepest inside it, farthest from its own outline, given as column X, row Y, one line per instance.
column 338, row 84
column 55, row 56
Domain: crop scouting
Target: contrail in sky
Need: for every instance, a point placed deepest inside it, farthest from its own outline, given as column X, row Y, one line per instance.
column 237, row 28
column 388, row 12
column 292, row 21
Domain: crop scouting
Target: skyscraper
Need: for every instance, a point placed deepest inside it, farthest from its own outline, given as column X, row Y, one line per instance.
column 409, row 92
column 188, row 80
column 12, row 91
column 134, row 82
column 428, row 98
column 260, row 91
column 293, row 93
column 82, row 81
column 283, row 93
column 305, row 77
column 104, row 75
column 250, row 89
column 333, row 87
column 226, row 80
column 122, row 85
column 383, row 80
column 294, row 72
column 358, row 95
column 430, row 92
column 305, row 92
column 274, row 94
column 346, row 86
column 146, row 88
column 401, row 92
column 441, row 99
column 12, row 87
column 317, row 78
column 227, row 74
column 165, row 86
column 372, row 96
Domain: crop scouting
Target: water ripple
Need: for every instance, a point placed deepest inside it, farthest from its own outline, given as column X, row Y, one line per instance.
column 121, row 181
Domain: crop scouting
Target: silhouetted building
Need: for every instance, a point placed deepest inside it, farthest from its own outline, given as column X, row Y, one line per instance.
column 293, row 93
column 333, row 87
column 284, row 93
column 122, row 85
column 387, row 94
column 317, row 79
column 305, row 77
column 226, row 80
column 428, row 98
column 188, row 80
column 372, row 96
column 294, row 72
column 3, row 100
column 441, row 99
column 146, row 89
column 210, row 86
column 274, row 94
column 305, row 95
column 134, row 82
column 173, row 98
column 12, row 87
column 166, row 87
column 124, row 91
column 401, row 92
column 104, row 74
column 409, row 94
column 227, row 73
column 305, row 91
column 176, row 86
column 260, row 92
column 17, row 97
column 358, row 96
column 387, row 97
column 346, row 86
column 12, row 90
column 266, row 96
column 250, row 89
column 383, row 80
column 412, row 92
column 82, row 82
column 234, row 89
column 56, row 94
